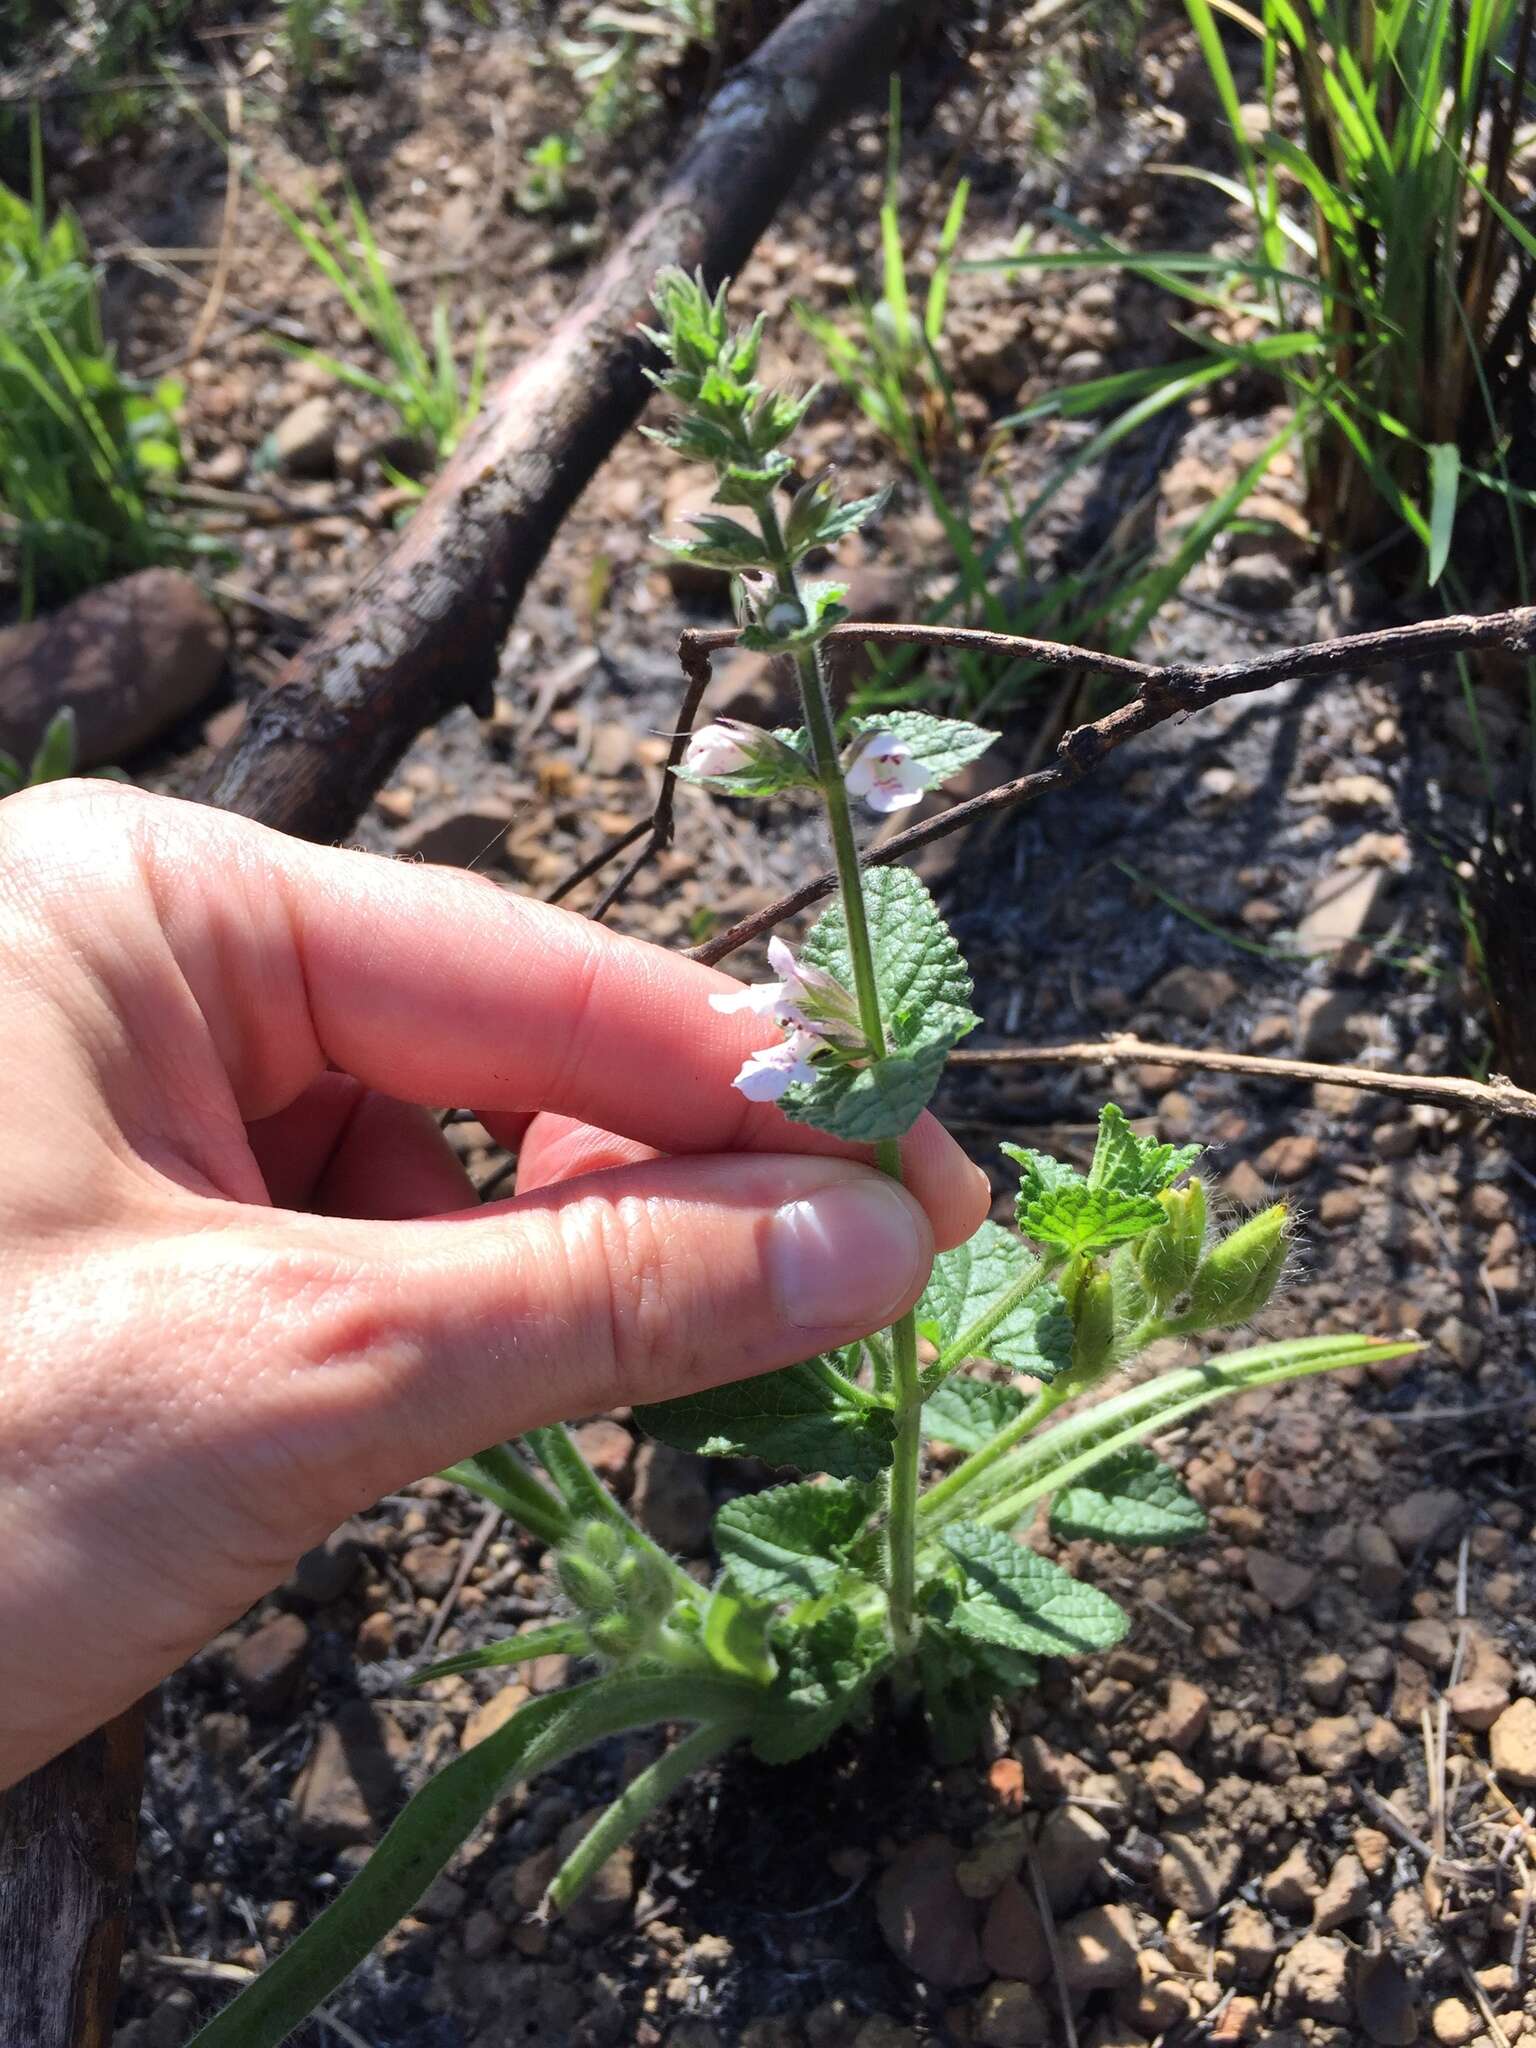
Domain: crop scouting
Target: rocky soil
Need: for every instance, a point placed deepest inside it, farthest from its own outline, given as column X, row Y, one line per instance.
column 1295, row 1807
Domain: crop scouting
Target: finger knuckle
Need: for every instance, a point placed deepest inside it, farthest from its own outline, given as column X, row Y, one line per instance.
column 645, row 1278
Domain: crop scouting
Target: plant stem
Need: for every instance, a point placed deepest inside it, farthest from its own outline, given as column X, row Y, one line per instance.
column 965, row 1476
column 970, row 1341
column 901, row 1504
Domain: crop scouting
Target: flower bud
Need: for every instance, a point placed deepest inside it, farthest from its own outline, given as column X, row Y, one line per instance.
column 1093, row 1322
column 1169, row 1255
column 618, row 1635
column 1238, row 1275
column 586, row 1585
column 784, row 617
column 729, row 747
column 645, row 1585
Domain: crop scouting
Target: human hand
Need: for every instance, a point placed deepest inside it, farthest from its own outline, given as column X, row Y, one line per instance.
column 244, row 1285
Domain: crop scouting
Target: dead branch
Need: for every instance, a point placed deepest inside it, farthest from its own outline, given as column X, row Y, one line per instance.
column 1498, row 1097
column 422, row 634
column 1161, row 694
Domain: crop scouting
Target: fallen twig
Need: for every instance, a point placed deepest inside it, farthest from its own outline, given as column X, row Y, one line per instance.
column 1495, row 1097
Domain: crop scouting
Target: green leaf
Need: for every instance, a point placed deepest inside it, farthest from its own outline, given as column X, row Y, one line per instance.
column 540, row 1735
column 55, row 756
column 736, row 1636
column 792, row 1417
column 790, row 1543
column 969, row 1413
column 560, row 1639
column 943, row 745
column 722, row 544
column 1131, row 1499
column 1039, row 1173
column 827, row 1664
column 1129, row 1165
column 1034, row 1337
column 1444, row 486
column 1015, row 1597
column 1081, row 1219
column 823, row 608
column 925, row 994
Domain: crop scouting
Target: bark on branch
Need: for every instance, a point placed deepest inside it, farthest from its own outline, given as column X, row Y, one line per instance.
column 422, row 634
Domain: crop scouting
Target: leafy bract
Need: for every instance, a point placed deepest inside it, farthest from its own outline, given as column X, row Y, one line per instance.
column 821, row 608
column 1015, row 1597
column 943, row 745
column 790, row 1543
column 1131, row 1498
column 791, row 1417
column 1127, row 1164
column 736, row 1636
column 925, row 995
column 827, row 1663
column 1034, row 1336
column 723, row 543
column 1081, row 1219
column 968, row 1413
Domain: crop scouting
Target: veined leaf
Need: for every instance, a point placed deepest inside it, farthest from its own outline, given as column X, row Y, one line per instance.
column 943, row 745
column 1015, row 1597
column 827, row 1664
column 736, row 1636
column 1035, row 1336
column 790, row 1543
column 1131, row 1499
column 969, row 1413
column 886, row 1097
column 1082, row 1219
column 1129, row 1165
column 792, row 1417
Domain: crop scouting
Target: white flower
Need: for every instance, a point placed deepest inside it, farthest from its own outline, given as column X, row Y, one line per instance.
column 765, row 1075
column 804, row 998
column 886, row 774
column 723, row 748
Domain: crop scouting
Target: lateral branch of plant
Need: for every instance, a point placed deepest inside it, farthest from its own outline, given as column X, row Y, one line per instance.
column 1162, row 693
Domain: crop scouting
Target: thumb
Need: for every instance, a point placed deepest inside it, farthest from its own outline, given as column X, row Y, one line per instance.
column 631, row 1285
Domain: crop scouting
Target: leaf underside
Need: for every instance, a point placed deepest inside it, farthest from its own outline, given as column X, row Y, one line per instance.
column 790, row 1417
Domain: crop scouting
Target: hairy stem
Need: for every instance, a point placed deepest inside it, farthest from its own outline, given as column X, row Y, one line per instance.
column 965, row 1477
column 901, row 1505
column 971, row 1342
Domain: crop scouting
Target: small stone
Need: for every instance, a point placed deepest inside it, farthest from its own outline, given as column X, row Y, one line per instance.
column 1159, row 2001
column 1257, row 583
column 375, row 1638
column 1345, row 1896
column 1196, row 1875
column 1070, row 1847
column 610, row 1893
column 1512, row 1743
column 1343, row 906
column 1196, row 993
column 481, row 1935
column 1181, row 1722
column 928, row 1922
column 1325, row 1022
column 1290, row 1158
column 1175, row 1788
column 1331, row 1745
column 1430, row 1642
column 607, row 1447
column 351, row 1784
column 994, row 1859
column 1322, row 1678
column 1246, row 1186
column 1356, row 793
column 1461, row 1343
column 671, row 1499
column 1283, row 1584
column 1269, row 1034
column 1251, row 1942
column 1313, row 1980
column 1292, row 1885
column 1381, row 1574
column 1013, row 1942
column 1423, row 1519
column 431, row 1567
column 1340, row 1206
column 1384, row 2001
column 1010, row 2015
column 1454, row 2023
column 457, row 836
column 328, row 1572
column 304, row 440
column 1238, row 2021
column 1098, row 1949
column 494, row 1713
column 1477, row 1703
column 1383, row 1742
column 268, row 1664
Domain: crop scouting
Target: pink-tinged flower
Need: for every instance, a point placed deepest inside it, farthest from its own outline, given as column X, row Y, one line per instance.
column 765, row 1075
column 804, row 998
column 724, row 748
column 885, row 772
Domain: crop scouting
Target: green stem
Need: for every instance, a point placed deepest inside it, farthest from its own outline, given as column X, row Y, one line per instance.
column 846, row 1389
column 964, row 1477
column 500, row 1476
column 588, row 1499
column 646, row 1791
column 901, row 1508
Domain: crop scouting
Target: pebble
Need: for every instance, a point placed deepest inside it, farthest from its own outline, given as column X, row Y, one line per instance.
column 1453, row 2023
column 1461, row 1343
column 1292, row 1885
column 1195, row 1875
column 1477, row 1703
column 1384, row 2001
column 1070, row 1848
column 1176, row 1789
column 1430, row 1642
column 1381, row 1574
column 1512, row 1743
column 607, row 1447
column 351, row 1783
column 1345, row 1896
column 1284, row 1584
column 1182, row 1720
column 1325, row 1023
column 1195, row 993
column 1290, row 1158
column 1013, row 1942
column 328, row 1572
column 431, row 1567
column 1011, row 2015
column 268, row 1663
column 304, row 440
column 928, row 1922
column 1313, row 1979
column 1257, row 583
column 1419, row 1522
column 1251, row 1941
column 1332, row 1745
column 1322, row 1678
column 494, row 1713
column 1098, row 1949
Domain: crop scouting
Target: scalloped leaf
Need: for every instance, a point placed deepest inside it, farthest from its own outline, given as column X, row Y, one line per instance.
column 790, row 1543
column 1034, row 1337
column 943, row 745
column 790, row 1417
column 1081, row 1219
column 969, row 1413
column 1015, row 1597
column 1130, row 1499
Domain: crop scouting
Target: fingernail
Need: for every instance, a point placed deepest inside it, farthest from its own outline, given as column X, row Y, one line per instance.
column 847, row 1256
